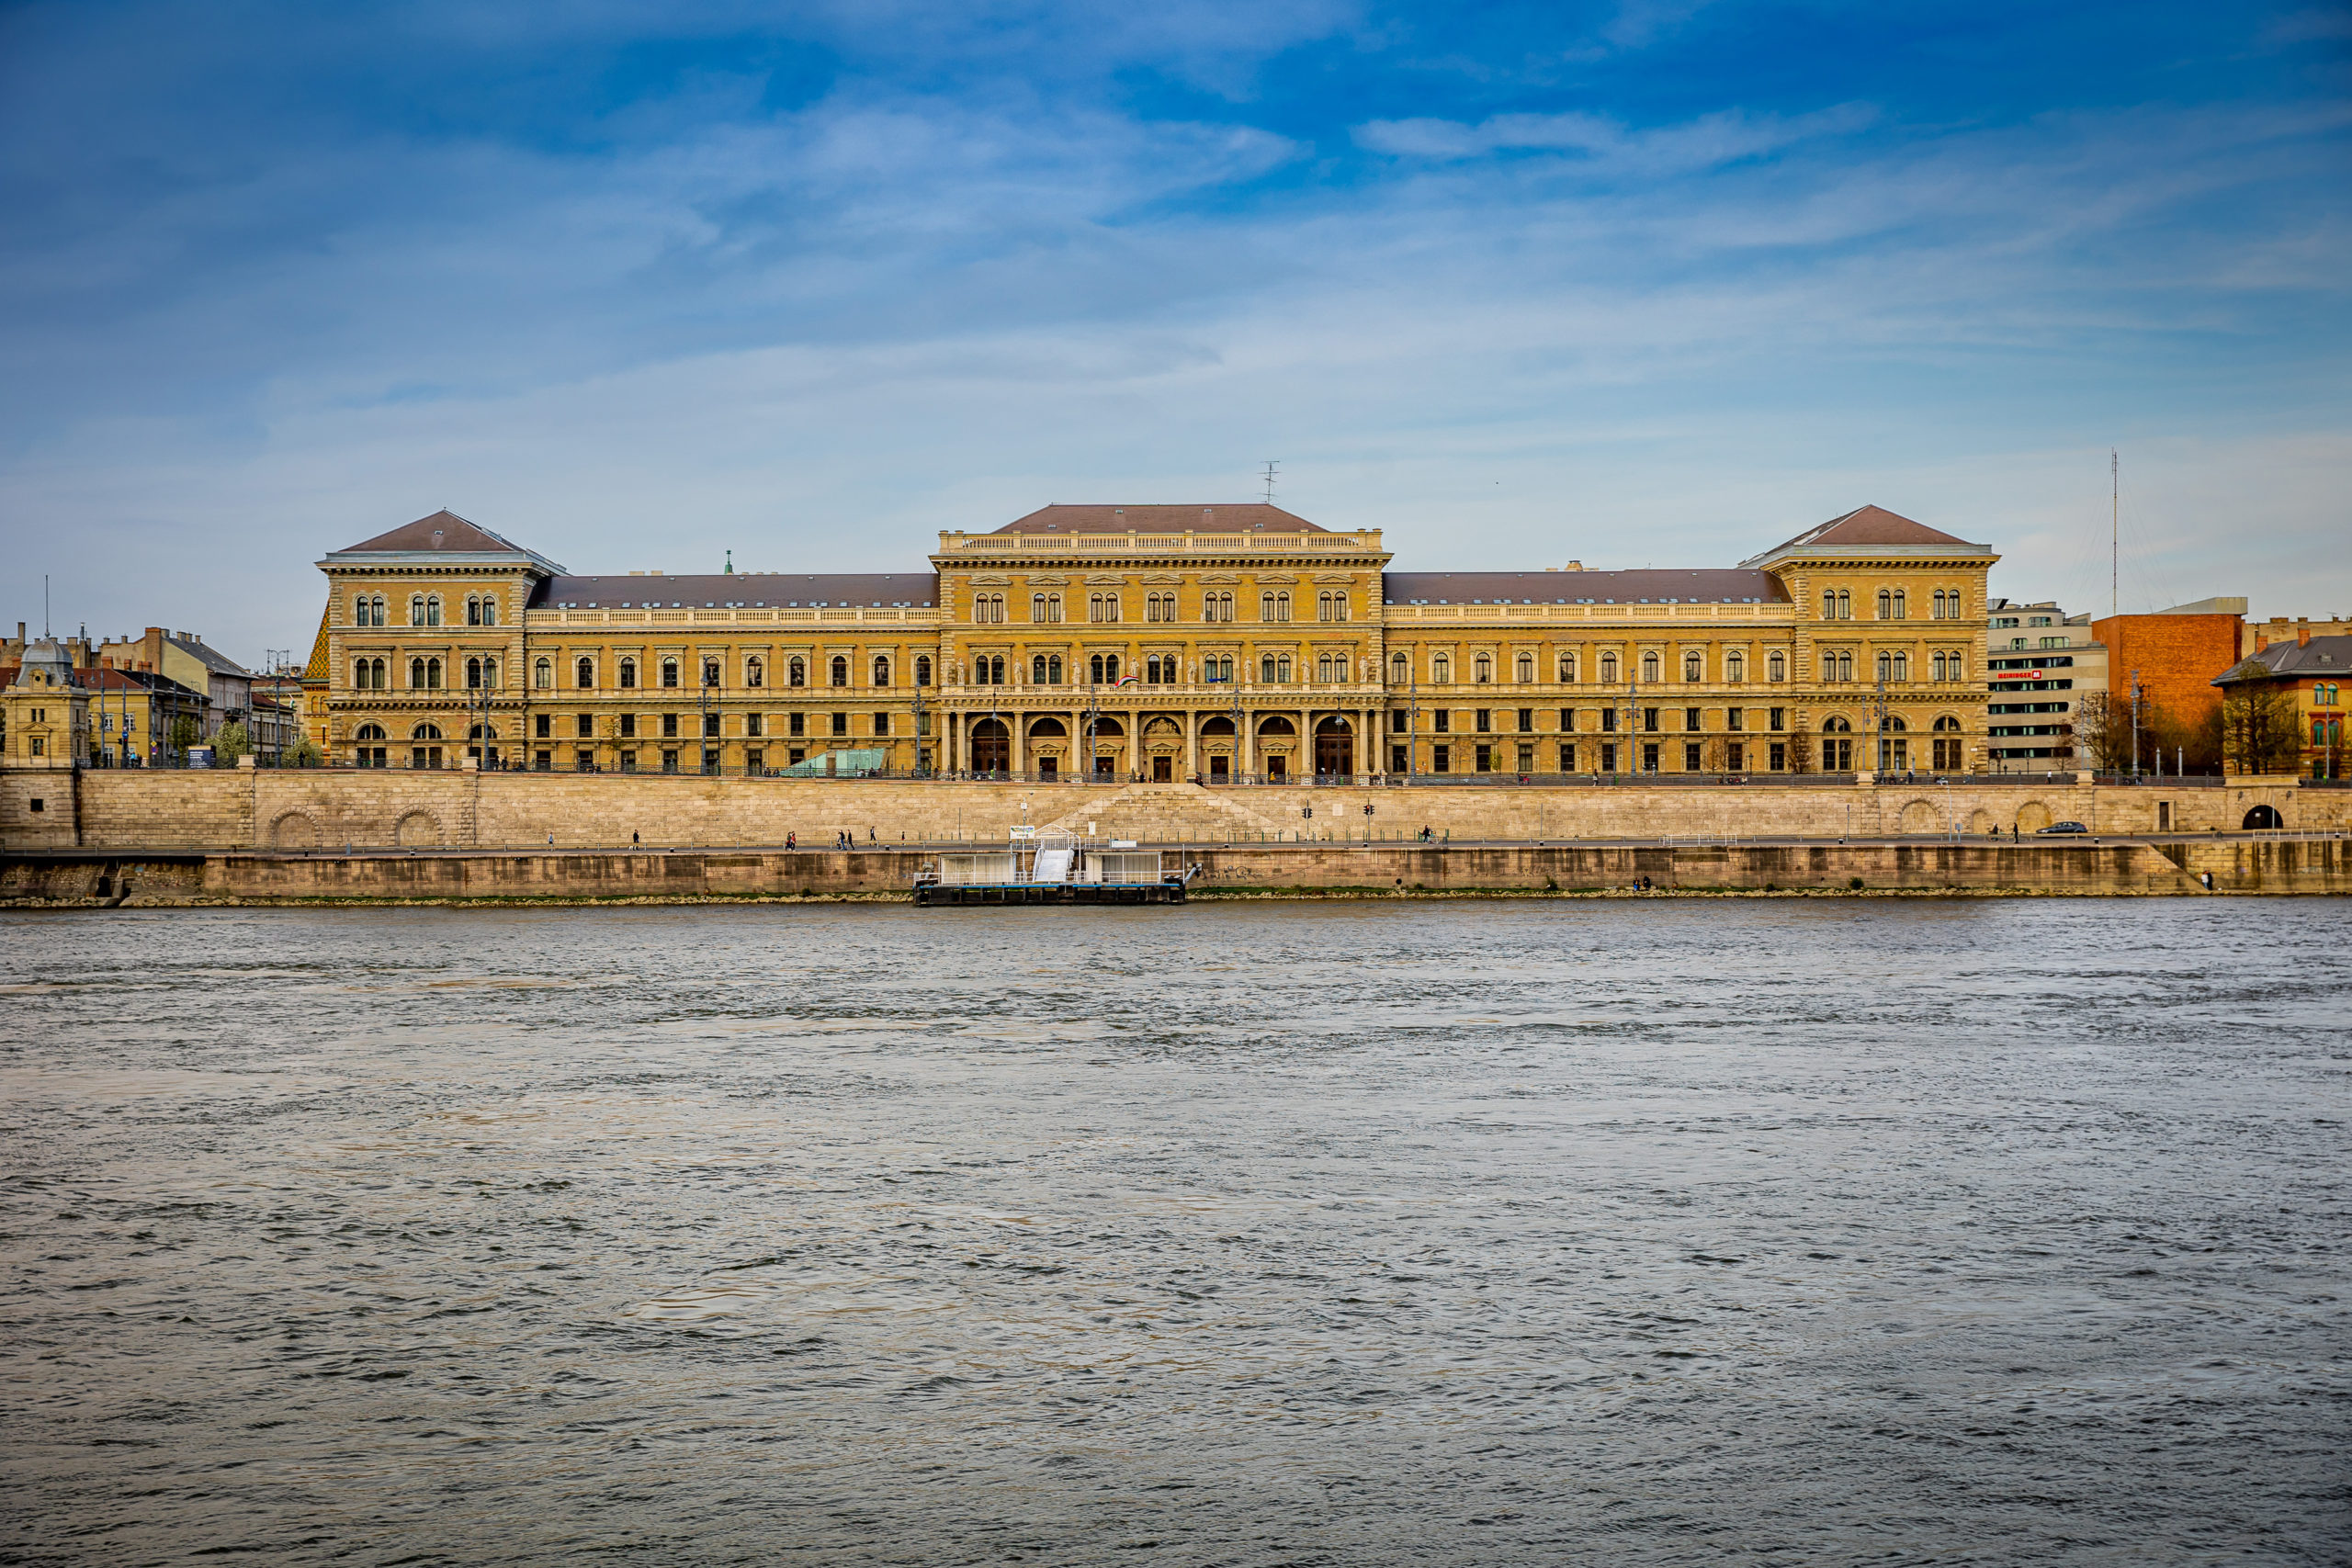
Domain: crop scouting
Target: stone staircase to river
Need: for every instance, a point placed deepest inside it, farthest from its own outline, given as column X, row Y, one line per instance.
column 1169, row 813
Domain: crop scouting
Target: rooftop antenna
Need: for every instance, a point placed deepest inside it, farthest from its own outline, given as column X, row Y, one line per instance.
column 2114, row 533
column 731, row 563
column 44, row 605
column 1269, row 476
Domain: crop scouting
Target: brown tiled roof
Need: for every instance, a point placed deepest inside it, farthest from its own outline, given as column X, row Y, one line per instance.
column 457, row 537
column 1642, row 586
column 1228, row 519
column 1862, row 529
column 916, row 589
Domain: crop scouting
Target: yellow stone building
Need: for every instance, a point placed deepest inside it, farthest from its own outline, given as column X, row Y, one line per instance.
column 1162, row 642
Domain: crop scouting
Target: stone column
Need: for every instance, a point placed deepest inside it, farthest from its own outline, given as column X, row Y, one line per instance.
column 1020, row 740
column 1192, row 743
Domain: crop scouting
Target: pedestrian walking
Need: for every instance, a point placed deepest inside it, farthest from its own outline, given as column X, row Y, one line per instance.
column 632, row 836
column 792, row 841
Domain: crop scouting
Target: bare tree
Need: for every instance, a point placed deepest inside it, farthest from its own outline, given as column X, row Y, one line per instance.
column 1800, row 750
column 2261, row 730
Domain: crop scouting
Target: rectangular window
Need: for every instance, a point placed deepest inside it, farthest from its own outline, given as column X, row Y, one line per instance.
column 1527, row 759
column 629, row 727
column 1692, row 722
column 670, row 761
column 841, row 724
column 669, row 726
column 1527, row 721
column 1567, row 759
column 1399, row 722
column 1692, row 761
column 1399, row 763
column 794, row 754
column 583, row 725
column 544, row 729
column 544, row 761
column 1485, row 759
column 1486, row 721
column 1609, row 756
column 709, row 725
column 1567, row 721
column 755, row 759
column 1649, row 723
column 1776, row 715
column 1734, row 719
column 629, row 761
column 1608, row 720
column 799, row 725
column 881, row 724
column 583, row 761
column 1439, row 758
column 1442, row 721
column 1736, row 757
column 755, row 724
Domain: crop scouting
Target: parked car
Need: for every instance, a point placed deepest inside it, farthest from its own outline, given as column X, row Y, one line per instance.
column 2063, row 828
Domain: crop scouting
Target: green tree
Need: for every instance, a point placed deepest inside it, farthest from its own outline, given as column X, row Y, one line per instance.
column 229, row 742
column 184, row 733
column 305, row 753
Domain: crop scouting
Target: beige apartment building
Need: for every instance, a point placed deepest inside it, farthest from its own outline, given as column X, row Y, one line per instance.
column 1223, row 643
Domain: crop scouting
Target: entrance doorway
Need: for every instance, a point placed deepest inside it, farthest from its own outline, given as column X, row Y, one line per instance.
column 1049, row 768
column 2264, row 816
column 992, row 747
column 1163, row 769
column 1277, row 769
column 1335, row 748
column 1103, row 764
column 1219, row 770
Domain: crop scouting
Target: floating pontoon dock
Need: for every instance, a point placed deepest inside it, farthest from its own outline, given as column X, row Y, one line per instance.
column 1054, row 868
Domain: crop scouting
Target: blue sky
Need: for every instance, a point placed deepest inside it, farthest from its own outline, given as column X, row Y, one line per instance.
column 1663, row 283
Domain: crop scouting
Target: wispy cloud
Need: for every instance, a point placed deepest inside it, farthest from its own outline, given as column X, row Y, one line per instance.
column 1706, row 142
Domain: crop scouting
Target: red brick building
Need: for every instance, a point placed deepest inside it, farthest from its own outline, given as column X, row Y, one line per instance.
column 2176, row 654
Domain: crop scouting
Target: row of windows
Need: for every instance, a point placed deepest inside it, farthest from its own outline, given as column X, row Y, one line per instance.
column 1045, row 609
column 669, row 726
column 1652, row 719
column 1893, row 604
column 423, row 610
column 2323, row 695
column 755, row 672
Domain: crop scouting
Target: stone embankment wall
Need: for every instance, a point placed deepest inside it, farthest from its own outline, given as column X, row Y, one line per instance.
column 2177, row 866
column 125, row 810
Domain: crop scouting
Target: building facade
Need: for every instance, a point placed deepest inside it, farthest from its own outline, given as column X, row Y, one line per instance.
column 2042, row 667
column 1222, row 643
column 2310, row 673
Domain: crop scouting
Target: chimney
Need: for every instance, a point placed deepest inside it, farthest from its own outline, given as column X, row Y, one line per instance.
column 2302, row 636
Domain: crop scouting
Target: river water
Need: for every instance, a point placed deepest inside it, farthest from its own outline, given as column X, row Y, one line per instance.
column 1652, row 1232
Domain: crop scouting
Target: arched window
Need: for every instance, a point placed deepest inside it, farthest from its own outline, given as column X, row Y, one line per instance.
column 881, row 671
column 669, row 674
column 1400, row 669
column 755, row 672
column 1483, row 669
column 1886, row 666
column 628, row 674
column 473, row 609
column 1828, row 603
column 1844, row 605
column 1694, row 666
column 1037, row 607
column 416, row 674
column 796, row 672
column 1649, row 669
column 1266, row 668
column 369, row 732
column 996, row 670
column 922, row 670
column 1036, row 669
column 425, row 732
column 1567, row 668
column 1947, row 725
column 543, row 675
column 711, row 671
column 473, row 674
column 1885, row 606
column 490, row 609
column 416, row 609
column 482, row 732
column 987, row 608
column 1217, row 606
column 433, row 609
column 1221, row 668
column 1442, row 670
column 1776, row 667
column 1902, row 662
column 1734, row 666
column 584, row 673
column 840, row 669
column 1609, row 668
column 1834, row 725
column 1525, row 667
